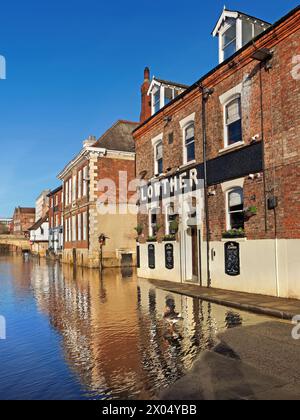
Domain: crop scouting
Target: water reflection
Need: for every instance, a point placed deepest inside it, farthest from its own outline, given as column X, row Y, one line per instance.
column 118, row 336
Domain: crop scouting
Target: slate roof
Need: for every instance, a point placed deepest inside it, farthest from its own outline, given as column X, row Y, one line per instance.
column 118, row 137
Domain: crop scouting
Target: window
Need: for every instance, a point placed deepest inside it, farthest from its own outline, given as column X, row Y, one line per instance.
column 70, row 191
column 74, row 188
column 67, row 192
column 156, row 101
column 79, row 226
column 169, row 94
column 235, row 209
column 247, row 32
column 229, row 41
column 233, row 121
column 74, row 228
column 189, row 135
column 170, row 217
column 153, row 222
column 159, row 158
column 85, row 181
column 84, row 222
column 79, row 184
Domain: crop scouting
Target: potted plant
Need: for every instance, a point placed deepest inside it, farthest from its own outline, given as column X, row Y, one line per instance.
column 173, row 227
column 250, row 212
column 139, row 230
column 169, row 238
column 234, row 233
column 152, row 239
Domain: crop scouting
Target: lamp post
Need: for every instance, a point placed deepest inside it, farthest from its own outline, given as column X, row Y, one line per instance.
column 102, row 243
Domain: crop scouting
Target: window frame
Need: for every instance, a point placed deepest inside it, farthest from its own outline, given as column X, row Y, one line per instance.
column 185, row 124
column 233, row 98
column 228, row 212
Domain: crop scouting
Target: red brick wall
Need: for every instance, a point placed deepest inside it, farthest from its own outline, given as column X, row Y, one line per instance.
column 278, row 93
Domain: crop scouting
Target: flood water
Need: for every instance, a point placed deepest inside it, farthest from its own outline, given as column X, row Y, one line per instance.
column 74, row 335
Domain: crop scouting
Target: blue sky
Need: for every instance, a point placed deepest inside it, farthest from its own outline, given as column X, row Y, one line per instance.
column 74, row 67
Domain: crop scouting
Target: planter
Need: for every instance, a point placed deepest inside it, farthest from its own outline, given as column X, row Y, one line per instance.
column 234, row 234
column 151, row 240
column 171, row 238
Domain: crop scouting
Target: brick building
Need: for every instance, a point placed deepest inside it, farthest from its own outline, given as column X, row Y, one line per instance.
column 56, row 236
column 23, row 219
column 237, row 130
column 84, row 221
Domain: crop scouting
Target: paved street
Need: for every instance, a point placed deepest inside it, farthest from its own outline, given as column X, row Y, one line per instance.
column 254, row 362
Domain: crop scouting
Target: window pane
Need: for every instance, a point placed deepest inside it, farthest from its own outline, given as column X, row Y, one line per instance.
column 190, row 149
column 247, row 32
column 237, row 220
column 159, row 151
column 235, row 198
column 168, row 95
column 160, row 166
column 233, row 111
column 229, row 35
column 229, row 50
column 157, row 101
column 235, row 132
column 189, row 134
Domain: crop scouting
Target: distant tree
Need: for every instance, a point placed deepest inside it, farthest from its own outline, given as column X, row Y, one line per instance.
column 4, row 229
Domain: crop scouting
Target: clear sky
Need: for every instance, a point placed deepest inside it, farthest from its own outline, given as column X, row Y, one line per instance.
column 75, row 66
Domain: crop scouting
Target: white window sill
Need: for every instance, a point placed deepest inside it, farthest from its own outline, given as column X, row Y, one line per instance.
column 232, row 147
column 234, row 240
column 187, row 164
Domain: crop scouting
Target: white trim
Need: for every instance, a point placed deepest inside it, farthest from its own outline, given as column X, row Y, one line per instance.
column 225, row 99
column 226, row 14
column 155, row 141
column 237, row 90
column 232, row 146
column 184, row 123
column 229, row 185
column 230, row 190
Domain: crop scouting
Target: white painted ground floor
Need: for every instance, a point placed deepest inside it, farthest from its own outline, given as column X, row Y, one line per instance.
column 269, row 267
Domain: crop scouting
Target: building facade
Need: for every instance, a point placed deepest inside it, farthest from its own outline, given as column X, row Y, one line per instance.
column 23, row 219
column 85, row 220
column 56, row 235
column 235, row 133
column 42, row 205
column 39, row 237
column 5, row 225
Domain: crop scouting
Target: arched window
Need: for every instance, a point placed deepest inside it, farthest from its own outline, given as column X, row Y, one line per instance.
column 235, row 208
column 233, row 121
column 189, row 143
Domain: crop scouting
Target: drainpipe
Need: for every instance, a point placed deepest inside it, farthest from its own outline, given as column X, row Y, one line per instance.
column 206, row 93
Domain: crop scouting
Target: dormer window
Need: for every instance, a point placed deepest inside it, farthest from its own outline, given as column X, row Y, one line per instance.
column 229, row 41
column 156, row 101
column 162, row 92
column 235, row 30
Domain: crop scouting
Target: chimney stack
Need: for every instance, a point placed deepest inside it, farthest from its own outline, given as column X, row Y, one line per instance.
column 146, row 99
column 90, row 141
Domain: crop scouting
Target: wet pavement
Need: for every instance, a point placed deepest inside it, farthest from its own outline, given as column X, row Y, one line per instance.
column 73, row 334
